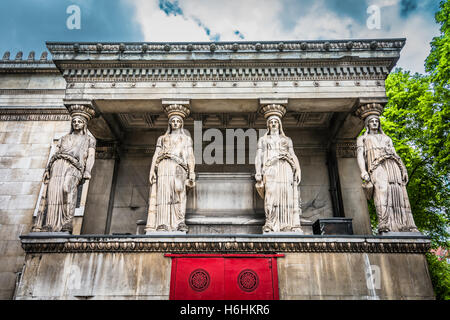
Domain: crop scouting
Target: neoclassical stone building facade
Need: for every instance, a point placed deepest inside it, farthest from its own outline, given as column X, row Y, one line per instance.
column 223, row 90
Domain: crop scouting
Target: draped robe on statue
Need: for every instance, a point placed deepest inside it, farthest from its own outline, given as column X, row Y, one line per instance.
column 66, row 168
column 167, row 205
column 280, row 193
column 385, row 169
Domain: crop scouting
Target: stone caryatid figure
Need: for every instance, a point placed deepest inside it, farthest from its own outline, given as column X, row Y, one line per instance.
column 171, row 175
column 384, row 174
column 71, row 163
column 278, row 175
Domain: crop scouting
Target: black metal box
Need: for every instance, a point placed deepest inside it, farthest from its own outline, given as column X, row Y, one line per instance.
column 335, row 225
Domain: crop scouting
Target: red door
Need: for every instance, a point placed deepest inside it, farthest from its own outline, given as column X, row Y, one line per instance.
column 229, row 277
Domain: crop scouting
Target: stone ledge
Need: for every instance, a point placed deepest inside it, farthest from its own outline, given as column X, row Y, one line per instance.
column 58, row 48
column 224, row 244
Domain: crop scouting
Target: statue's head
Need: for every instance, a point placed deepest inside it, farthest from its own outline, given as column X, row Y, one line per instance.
column 176, row 122
column 372, row 123
column 274, row 124
column 79, row 124
column 81, row 115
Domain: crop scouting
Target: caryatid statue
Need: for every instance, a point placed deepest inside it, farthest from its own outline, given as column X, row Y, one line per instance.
column 384, row 174
column 171, row 174
column 278, row 175
column 70, row 165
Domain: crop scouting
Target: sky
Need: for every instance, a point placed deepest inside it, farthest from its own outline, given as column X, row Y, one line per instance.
column 25, row 25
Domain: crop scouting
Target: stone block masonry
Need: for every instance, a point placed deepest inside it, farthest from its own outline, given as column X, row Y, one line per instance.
column 24, row 151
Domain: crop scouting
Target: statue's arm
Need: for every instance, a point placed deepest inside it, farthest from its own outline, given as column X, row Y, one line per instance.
column 152, row 175
column 90, row 159
column 259, row 159
column 46, row 177
column 360, row 159
column 298, row 171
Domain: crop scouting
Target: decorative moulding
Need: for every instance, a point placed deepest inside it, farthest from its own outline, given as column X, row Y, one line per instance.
column 73, row 244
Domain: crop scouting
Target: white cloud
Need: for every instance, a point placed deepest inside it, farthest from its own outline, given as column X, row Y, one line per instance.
column 256, row 19
column 320, row 23
column 417, row 29
column 263, row 20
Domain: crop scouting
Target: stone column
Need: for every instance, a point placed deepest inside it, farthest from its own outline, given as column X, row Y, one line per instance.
column 66, row 178
column 384, row 175
column 353, row 199
column 278, row 174
column 98, row 213
column 171, row 173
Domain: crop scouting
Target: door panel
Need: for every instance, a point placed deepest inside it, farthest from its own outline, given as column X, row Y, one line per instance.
column 198, row 279
column 248, row 279
column 219, row 277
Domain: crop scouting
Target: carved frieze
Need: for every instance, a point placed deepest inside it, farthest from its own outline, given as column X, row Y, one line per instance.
column 25, row 114
column 105, row 244
column 330, row 45
column 148, row 72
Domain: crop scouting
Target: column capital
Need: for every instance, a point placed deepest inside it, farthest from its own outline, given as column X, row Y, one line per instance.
column 273, row 106
column 273, row 110
column 179, row 107
column 369, row 109
column 80, row 108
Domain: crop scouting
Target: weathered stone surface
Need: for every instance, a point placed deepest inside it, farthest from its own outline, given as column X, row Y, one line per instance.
column 98, row 276
column 354, row 200
column 346, row 276
column 278, row 175
column 95, row 215
column 122, row 268
column 384, row 174
column 24, row 150
column 74, row 157
column 172, row 174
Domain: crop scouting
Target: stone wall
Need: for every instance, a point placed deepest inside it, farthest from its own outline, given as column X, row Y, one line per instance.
column 353, row 198
column 349, row 267
column 24, row 152
column 347, row 276
column 106, row 276
column 224, row 201
column 96, row 211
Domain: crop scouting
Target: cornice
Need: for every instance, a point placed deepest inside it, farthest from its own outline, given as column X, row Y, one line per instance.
column 37, row 244
column 28, row 67
column 261, row 46
column 250, row 59
column 55, row 113
column 232, row 72
column 32, row 91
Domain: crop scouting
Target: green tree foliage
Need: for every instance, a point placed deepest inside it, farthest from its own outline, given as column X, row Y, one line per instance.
column 440, row 276
column 437, row 63
column 417, row 118
column 417, row 122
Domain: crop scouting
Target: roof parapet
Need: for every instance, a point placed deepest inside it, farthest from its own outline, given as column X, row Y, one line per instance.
column 31, row 57
column 31, row 64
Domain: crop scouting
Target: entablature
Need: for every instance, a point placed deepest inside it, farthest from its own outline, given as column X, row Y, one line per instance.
column 243, row 61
